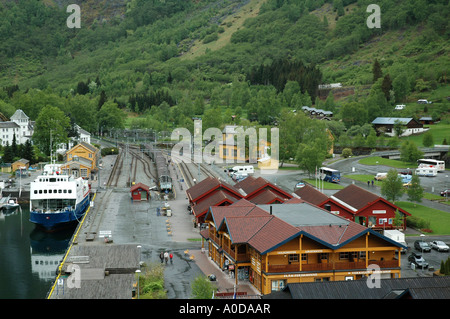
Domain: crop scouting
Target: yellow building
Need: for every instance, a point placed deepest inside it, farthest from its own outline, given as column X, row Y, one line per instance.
column 228, row 147
column 274, row 245
column 81, row 160
column 24, row 164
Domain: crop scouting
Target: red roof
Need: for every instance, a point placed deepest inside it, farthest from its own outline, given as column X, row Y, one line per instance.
column 219, row 197
column 240, row 208
column 261, row 232
column 334, row 234
column 355, row 196
column 139, row 185
column 260, row 191
column 206, row 186
column 311, row 195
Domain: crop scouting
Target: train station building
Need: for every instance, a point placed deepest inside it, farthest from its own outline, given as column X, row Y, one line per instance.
column 294, row 242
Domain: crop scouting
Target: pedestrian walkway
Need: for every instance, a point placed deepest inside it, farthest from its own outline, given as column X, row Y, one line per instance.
column 224, row 282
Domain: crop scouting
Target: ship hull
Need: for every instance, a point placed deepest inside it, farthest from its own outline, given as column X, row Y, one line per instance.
column 51, row 222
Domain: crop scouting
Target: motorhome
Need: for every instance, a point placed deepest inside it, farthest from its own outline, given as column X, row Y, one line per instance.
column 426, row 171
column 244, row 169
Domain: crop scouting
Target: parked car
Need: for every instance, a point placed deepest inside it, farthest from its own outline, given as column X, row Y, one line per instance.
column 445, row 192
column 380, row 176
column 422, row 246
column 439, row 245
column 417, row 259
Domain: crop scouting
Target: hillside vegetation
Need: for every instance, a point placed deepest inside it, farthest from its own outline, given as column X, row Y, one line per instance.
column 162, row 62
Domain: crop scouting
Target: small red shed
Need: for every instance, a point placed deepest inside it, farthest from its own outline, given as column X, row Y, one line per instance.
column 140, row 191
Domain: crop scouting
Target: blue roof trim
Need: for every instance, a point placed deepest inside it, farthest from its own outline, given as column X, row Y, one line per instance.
column 281, row 243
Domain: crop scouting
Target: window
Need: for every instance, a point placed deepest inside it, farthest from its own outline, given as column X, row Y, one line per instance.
column 343, row 255
column 293, row 258
column 278, row 285
column 323, row 256
column 305, row 257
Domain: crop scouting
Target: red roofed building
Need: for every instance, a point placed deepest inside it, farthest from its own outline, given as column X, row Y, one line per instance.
column 356, row 204
column 363, row 207
column 140, row 192
column 260, row 191
column 297, row 242
column 210, row 192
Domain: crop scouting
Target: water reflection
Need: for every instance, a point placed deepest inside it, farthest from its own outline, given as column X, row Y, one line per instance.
column 28, row 256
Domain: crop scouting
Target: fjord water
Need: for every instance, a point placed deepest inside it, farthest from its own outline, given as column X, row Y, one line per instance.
column 28, row 256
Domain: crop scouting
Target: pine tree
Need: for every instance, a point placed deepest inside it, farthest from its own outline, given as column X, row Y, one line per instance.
column 102, row 99
column 376, row 70
column 386, row 86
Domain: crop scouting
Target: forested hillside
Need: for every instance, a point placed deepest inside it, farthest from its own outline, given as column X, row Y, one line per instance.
column 159, row 63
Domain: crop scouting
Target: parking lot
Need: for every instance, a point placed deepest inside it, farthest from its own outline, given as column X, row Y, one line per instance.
column 433, row 258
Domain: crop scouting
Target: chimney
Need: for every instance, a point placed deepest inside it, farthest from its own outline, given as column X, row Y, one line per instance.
column 270, row 209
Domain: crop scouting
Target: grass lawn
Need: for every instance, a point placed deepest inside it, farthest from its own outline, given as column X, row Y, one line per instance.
column 363, row 178
column 439, row 131
column 439, row 220
column 377, row 160
column 326, row 185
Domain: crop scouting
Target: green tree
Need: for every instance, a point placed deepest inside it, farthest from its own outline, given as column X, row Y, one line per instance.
column 28, row 151
column 376, row 70
column 415, row 191
column 110, row 116
column 386, row 86
column 409, row 152
column 392, row 186
column 401, row 87
column 51, row 128
column 202, row 288
column 428, row 140
column 310, row 156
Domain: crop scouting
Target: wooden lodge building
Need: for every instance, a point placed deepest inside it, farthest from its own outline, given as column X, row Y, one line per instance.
column 294, row 242
column 358, row 205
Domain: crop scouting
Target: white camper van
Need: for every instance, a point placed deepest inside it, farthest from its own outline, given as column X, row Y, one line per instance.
column 244, row 169
column 426, row 171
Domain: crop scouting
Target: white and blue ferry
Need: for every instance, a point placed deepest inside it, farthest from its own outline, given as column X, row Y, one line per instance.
column 57, row 201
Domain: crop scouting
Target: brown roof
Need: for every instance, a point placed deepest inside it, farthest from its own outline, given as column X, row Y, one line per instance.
column 311, row 195
column 252, row 186
column 266, row 196
column 206, row 186
column 261, row 232
column 219, row 197
column 136, row 186
column 239, row 208
column 355, row 196
column 334, row 234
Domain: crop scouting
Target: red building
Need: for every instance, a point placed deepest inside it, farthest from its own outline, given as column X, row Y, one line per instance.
column 210, row 192
column 357, row 204
column 140, row 192
column 260, row 191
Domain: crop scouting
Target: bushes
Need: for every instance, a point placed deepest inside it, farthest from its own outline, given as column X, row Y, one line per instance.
column 151, row 282
column 110, row 151
column 445, row 267
column 418, row 223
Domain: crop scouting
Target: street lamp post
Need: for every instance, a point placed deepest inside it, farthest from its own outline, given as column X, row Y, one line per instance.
column 138, row 271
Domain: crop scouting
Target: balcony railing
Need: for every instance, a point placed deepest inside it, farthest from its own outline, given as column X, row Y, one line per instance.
column 331, row 266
